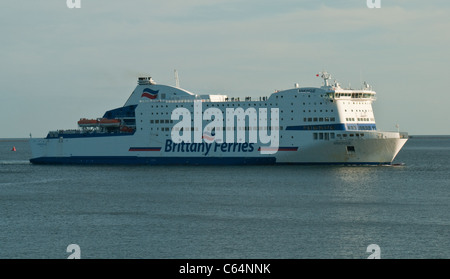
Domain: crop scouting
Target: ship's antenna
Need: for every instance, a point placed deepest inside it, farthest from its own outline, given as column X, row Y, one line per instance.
column 360, row 77
column 326, row 76
column 177, row 81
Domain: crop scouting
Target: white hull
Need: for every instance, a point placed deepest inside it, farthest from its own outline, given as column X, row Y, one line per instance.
column 134, row 149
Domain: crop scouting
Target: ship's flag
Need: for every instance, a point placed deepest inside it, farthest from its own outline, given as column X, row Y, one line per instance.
column 148, row 93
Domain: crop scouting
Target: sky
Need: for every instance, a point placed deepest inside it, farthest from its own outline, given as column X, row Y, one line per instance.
column 58, row 65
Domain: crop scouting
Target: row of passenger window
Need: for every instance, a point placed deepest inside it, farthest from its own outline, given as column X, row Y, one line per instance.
column 231, row 104
column 229, row 128
column 319, row 119
column 331, row 136
column 350, row 135
column 323, row 136
column 156, row 121
column 222, row 104
column 362, row 119
column 169, row 121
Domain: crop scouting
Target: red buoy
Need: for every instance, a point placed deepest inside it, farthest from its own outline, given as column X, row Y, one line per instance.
column 14, row 148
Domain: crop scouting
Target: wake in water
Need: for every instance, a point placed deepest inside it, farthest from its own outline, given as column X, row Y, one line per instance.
column 41, row 181
column 395, row 165
column 15, row 162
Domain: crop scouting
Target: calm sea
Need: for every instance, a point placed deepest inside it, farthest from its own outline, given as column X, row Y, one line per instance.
column 252, row 212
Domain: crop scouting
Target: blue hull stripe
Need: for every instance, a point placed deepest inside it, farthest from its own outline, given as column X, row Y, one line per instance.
column 317, row 127
column 133, row 160
column 334, row 127
column 145, row 149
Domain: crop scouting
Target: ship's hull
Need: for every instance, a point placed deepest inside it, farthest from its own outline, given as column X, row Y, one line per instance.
column 161, row 124
column 133, row 149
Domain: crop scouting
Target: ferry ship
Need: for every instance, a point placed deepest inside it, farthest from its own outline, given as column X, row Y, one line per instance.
column 168, row 125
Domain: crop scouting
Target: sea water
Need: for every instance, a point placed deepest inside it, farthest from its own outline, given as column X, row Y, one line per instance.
column 227, row 212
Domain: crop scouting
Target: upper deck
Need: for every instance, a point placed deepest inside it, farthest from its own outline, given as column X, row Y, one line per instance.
column 329, row 107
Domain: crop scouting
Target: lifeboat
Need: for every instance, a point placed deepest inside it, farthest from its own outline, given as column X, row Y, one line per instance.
column 88, row 122
column 105, row 122
column 126, row 129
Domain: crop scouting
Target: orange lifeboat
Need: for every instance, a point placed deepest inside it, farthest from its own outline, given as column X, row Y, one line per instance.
column 126, row 129
column 87, row 122
column 105, row 122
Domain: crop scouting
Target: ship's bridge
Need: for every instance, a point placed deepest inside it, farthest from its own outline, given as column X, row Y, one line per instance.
column 354, row 94
column 335, row 91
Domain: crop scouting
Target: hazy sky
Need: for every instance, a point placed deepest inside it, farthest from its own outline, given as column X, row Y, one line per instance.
column 59, row 64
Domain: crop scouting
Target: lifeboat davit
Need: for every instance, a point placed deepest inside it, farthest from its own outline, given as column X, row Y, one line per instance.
column 88, row 122
column 105, row 122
